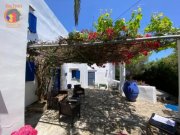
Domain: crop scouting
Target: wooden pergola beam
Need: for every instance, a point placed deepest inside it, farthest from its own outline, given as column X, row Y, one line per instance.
column 121, row 42
column 118, row 42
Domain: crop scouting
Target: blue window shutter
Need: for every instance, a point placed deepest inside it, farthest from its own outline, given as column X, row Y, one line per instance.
column 73, row 73
column 32, row 23
column 77, row 74
column 30, row 71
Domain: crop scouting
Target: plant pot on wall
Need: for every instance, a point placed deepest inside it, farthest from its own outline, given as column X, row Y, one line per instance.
column 131, row 90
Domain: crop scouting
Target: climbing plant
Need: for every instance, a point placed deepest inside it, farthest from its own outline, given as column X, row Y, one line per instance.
column 104, row 22
column 107, row 44
column 159, row 24
column 134, row 23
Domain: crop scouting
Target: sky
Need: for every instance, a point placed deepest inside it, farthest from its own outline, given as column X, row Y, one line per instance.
column 91, row 9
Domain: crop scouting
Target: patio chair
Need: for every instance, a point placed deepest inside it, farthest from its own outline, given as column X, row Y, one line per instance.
column 166, row 125
column 56, row 97
column 70, row 109
column 78, row 91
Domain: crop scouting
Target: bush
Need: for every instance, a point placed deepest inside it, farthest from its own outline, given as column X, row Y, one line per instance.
column 163, row 74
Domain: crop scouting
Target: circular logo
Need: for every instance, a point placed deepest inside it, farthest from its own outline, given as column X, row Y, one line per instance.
column 12, row 15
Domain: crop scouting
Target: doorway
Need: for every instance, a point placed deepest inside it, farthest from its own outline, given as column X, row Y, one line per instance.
column 91, row 78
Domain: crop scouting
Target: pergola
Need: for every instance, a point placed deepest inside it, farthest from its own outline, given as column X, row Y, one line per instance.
column 102, row 52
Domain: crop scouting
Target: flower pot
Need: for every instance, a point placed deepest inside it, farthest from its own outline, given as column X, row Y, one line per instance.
column 131, row 90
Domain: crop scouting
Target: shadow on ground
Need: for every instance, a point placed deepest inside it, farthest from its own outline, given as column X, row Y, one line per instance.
column 32, row 117
column 102, row 112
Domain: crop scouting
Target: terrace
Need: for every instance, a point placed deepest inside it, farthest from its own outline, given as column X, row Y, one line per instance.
column 114, row 42
column 102, row 112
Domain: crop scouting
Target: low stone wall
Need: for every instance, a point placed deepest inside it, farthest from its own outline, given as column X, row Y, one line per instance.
column 147, row 93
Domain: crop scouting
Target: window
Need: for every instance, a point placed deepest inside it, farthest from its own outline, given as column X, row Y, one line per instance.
column 76, row 75
column 32, row 23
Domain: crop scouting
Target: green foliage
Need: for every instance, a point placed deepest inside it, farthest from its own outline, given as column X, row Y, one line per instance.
column 117, row 72
column 104, row 22
column 77, row 36
column 159, row 24
column 84, row 35
column 167, row 45
column 174, row 31
column 134, row 23
column 136, row 66
column 163, row 74
column 107, row 29
column 120, row 25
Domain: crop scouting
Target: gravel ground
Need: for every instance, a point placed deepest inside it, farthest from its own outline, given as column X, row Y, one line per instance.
column 103, row 112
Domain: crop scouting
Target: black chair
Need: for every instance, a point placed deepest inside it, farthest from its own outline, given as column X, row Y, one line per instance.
column 56, row 96
column 70, row 109
column 78, row 91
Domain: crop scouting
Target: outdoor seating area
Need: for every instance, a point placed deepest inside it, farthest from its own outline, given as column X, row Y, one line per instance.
column 114, row 70
column 56, row 97
column 78, row 91
column 101, row 112
column 69, row 108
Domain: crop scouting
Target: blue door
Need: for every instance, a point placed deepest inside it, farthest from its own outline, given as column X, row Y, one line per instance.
column 57, row 76
column 91, row 78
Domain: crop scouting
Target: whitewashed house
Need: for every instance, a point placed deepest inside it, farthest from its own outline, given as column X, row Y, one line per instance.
column 36, row 22
column 13, row 39
column 44, row 27
column 48, row 27
column 87, row 76
column 21, row 21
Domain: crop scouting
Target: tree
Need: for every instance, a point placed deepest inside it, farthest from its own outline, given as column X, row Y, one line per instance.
column 136, row 66
column 163, row 74
column 77, row 4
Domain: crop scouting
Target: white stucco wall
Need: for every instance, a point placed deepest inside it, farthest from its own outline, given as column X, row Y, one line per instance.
column 30, row 89
column 13, row 39
column 49, row 27
column 147, row 93
column 63, row 79
column 67, row 70
column 122, row 76
column 102, row 75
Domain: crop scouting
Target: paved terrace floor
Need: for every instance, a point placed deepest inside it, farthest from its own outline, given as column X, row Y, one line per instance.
column 103, row 112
